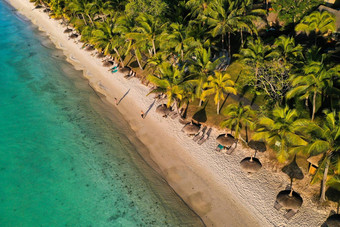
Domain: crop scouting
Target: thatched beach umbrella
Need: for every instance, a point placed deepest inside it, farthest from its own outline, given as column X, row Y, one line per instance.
column 68, row 30
column 107, row 63
column 333, row 221
column 257, row 146
column 289, row 199
column 124, row 70
column 100, row 55
column 293, row 170
column 191, row 129
column 73, row 36
column 163, row 110
column 226, row 140
column 250, row 165
column 89, row 48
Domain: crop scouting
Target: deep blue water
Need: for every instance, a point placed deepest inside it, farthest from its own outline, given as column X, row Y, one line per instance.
column 65, row 159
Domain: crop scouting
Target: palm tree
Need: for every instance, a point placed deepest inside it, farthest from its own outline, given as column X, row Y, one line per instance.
column 315, row 81
column 238, row 117
column 222, row 18
column 147, row 31
column 286, row 48
column 280, row 131
column 201, row 68
column 217, row 85
column 318, row 22
column 171, row 81
column 256, row 54
column 107, row 39
column 197, row 7
column 178, row 40
column 324, row 139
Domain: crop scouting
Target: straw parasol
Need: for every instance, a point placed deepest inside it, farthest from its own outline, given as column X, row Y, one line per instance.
column 89, row 48
column 226, row 140
column 257, row 146
column 191, row 129
column 293, row 170
column 107, row 63
column 68, row 30
column 163, row 110
column 73, row 36
column 289, row 199
column 250, row 165
column 100, row 55
column 333, row 221
column 124, row 70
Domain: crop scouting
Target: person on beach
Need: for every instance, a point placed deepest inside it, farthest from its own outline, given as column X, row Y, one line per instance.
column 142, row 114
column 116, row 101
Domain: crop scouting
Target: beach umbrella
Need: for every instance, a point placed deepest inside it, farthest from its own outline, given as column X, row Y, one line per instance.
column 250, row 165
column 226, row 140
column 293, row 170
column 107, row 63
column 100, row 55
column 124, row 70
column 191, row 129
column 89, row 48
column 333, row 221
column 163, row 110
column 257, row 145
column 289, row 199
column 68, row 30
column 73, row 36
column 38, row 7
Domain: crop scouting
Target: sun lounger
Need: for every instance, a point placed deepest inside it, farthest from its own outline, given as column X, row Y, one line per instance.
column 200, row 134
column 290, row 214
column 277, row 205
column 205, row 137
column 175, row 115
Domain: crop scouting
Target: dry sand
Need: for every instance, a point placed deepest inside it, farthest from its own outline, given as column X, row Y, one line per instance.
column 211, row 183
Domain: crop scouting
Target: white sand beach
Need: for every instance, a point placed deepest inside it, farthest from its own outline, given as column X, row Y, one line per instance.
column 211, row 183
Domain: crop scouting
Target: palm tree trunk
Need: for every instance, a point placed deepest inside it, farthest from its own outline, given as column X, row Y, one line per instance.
column 90, row 20
column 323, row 186
column 314, row 103
column 120, row 59
column 218, row 107
column 140, row 66
column 241, row 38
column 82, row 15
column 154, row 47
column 229, row 47
column 200, row 103
column 222, row 42
column 182, row 55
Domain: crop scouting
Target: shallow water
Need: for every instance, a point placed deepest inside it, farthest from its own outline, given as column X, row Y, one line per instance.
column 65, row 157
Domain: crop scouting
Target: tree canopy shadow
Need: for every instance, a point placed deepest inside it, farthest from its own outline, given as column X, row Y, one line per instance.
column 201, row 115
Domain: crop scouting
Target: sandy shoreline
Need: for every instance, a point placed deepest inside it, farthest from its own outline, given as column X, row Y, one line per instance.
column 211, row 183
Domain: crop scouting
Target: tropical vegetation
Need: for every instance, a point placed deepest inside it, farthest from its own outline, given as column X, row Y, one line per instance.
column 281, row 82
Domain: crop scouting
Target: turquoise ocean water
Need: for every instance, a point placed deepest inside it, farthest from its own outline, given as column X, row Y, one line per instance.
column 65, row 159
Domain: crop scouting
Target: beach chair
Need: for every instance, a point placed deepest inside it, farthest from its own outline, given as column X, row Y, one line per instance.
column 205, row 137
column 200, row 134
column 277, row 205
column 290, row 214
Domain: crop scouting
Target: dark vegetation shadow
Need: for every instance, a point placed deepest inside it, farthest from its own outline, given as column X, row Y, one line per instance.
column 201, row 115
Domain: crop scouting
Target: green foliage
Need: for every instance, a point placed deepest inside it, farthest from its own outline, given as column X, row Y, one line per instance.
column 155, row 8
column 292, row 11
